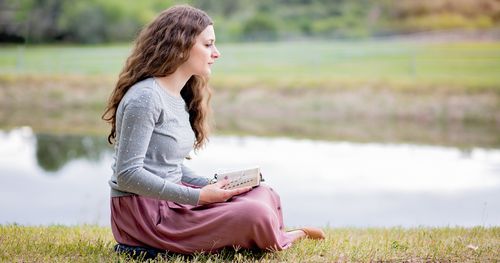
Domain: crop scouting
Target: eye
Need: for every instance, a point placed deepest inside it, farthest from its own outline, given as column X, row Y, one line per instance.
column 208, row 45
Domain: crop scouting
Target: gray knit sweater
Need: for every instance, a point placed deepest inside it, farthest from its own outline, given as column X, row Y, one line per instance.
column 153, row 136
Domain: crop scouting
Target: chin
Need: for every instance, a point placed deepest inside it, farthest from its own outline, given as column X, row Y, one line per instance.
column 204, row 75
column 207, row 74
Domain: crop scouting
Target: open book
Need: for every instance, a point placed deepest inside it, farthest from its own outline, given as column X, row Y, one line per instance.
column 241, row 178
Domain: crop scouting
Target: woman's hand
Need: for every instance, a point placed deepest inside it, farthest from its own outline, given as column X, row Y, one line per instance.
column 213, row 193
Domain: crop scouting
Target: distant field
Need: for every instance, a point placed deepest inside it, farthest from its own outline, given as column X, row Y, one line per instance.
column 292, row 64
column 446, row 94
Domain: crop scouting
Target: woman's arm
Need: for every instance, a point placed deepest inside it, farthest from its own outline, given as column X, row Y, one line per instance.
column 189, row 177
column 138, row 121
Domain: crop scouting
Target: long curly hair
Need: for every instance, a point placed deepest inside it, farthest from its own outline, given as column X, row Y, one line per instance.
column 160, row 48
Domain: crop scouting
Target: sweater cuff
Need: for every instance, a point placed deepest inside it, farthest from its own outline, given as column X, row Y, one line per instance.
column 195, row 196
column 179, row 193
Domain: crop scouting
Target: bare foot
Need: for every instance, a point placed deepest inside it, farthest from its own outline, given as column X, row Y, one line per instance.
column 296, row 235
column 313, row 232
column 306, row 232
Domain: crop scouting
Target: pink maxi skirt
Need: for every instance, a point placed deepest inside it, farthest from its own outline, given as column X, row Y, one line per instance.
column 252, row 220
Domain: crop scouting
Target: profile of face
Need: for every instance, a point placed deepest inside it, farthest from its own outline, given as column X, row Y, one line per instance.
column 203, row 54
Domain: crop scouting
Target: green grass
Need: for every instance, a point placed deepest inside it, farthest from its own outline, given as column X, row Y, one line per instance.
column 447, row 93
column 365, row 60
column 94, row 244
column 292, row 64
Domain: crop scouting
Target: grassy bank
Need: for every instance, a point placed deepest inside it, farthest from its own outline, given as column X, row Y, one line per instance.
column 382, row 91
column 309, row 64
column 370, row 113
column 94, row 244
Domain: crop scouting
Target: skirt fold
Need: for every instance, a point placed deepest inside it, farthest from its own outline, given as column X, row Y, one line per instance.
column 252, row 220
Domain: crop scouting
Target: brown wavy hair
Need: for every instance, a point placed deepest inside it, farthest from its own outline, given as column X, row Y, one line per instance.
column 160, row 48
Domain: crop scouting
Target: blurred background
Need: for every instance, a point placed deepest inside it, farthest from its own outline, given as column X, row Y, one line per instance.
column 360, row 113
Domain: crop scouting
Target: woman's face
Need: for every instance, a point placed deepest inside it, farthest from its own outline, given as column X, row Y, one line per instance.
column 203, row 54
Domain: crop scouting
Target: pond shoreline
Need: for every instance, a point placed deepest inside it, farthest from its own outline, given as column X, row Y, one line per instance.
column 364, row 112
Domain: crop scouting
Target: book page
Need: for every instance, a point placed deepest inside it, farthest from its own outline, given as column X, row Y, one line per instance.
column 240, row 178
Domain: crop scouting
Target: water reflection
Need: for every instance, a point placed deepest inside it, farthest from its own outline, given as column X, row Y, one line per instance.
column 63, row 179
column 54, row 151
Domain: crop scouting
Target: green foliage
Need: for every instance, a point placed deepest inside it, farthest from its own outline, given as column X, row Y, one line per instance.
column 83, row 21
column 447, row 21
column 260, row 27
column 78, row 14
column 444, row 14
column 96, row 21
column 54, row 151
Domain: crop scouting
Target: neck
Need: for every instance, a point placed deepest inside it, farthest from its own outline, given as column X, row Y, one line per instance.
column 174, row 83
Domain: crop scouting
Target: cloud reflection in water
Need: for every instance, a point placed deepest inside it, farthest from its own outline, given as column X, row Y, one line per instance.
column 320, row 182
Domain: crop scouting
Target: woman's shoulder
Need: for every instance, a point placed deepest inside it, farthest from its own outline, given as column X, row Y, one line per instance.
column 142, row 93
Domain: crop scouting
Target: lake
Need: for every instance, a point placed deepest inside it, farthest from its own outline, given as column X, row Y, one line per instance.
column 55, row 179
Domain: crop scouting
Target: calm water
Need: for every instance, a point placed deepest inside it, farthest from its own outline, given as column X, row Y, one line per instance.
column 48, row 179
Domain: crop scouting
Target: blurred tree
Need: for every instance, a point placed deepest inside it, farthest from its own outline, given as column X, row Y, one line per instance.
column 225, row 8
column 93, row 21
column 445, row 14
column 36, row 19
column 9, row 24
column 260, row 27
column 78, row 14
column 54, row 151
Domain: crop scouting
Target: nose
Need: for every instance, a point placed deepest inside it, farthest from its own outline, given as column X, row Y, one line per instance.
column 215, row 52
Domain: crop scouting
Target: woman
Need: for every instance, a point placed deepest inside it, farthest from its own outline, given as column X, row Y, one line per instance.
column 158, row 112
